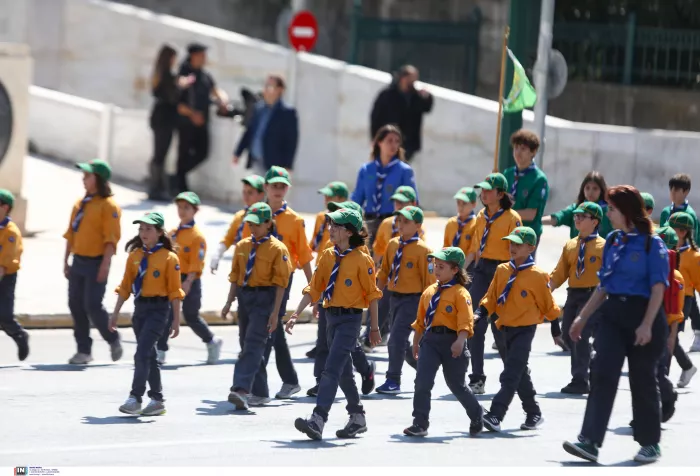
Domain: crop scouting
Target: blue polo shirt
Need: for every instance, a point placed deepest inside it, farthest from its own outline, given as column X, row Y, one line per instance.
column 398, row 175
column 636, row 271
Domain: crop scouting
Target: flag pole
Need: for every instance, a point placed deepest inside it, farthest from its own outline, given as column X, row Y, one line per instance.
column 500, row 98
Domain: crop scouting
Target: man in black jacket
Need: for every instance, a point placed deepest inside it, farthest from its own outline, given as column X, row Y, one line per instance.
column 401, row 104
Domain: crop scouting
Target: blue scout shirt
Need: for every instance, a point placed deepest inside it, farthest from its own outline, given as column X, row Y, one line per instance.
column 365, row 191
column 565, row 217
column 636, row 271
column 532, row 192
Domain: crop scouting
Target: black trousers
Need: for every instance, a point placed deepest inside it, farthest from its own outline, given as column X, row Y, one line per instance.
column 8, row 323
column 162, row 139
column 581, row 350
column 614, row 341
column 193, row 149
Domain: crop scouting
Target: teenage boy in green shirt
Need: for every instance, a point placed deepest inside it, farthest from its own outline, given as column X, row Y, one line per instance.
column 679, row 188
column 528, row 184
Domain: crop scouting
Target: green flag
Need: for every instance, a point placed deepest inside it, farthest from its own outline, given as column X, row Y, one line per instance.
column 522, row 95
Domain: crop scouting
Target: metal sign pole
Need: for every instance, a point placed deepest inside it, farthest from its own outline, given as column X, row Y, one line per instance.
column 541, row 71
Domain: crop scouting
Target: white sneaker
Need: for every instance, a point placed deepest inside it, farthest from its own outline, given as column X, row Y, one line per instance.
column 214, row 350
column 160, row 356
column 686, row 377
column 154, row 408
column 477, row 388
column 131, row 406
column 695, row 347
column 255, row 401
column 80, row 359
column 287, row 391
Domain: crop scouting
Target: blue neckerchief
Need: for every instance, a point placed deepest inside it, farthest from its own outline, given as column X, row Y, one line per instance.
column 5, row 222
column 137, row 287
column 581, row 263
column 251, row 258
column 616, row 249
column 394, row 228
column 520, row 173
column 489, row 222
column 328, row 292
column 434, row 301
column 239, row 232
column 504, row 295
column 382, row 173
column 680, row 208
column 460, row 227
column 394, row 272
column 181, row 227
column 282, row 209
column 318, row 237
column 81, row 212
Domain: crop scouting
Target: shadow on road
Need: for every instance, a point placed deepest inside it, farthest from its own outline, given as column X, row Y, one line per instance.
column 221, row 408
column 563, row 396
column 167, row 366
column 64, row 367
column 401, row 438
column 309, row 444
column 451, row 398
column 114, row 420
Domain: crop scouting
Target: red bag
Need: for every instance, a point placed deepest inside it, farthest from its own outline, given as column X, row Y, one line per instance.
column 674, row 289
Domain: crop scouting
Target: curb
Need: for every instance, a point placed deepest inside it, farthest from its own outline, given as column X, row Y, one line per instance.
column 65, row 321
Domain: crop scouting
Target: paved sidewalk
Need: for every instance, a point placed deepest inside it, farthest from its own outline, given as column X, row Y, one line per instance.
column 52, row 189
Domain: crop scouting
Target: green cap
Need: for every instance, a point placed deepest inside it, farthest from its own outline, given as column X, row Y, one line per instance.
column 405, row 194
column 255, row 181
column 451, row 254
column 335, row 189
column 258, row 213
column 277, row 175
column 593, row 209
column 189, row 197
column 411, row 213
column 346, row 216
column 494, row 181
column 669, row 236
column 6, row 197
column 153, row 218
column 648, row 200
column 682, row 220
column 466, row 194
column 98, row 167
column 333, row 206
column 522, row 235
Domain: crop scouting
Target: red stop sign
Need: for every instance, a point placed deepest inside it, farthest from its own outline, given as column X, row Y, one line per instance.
column 303, row 31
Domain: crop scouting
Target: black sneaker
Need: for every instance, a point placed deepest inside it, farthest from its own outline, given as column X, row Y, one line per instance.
column 582, row 449
column 476, row 427
column 576, row 388
column 491, row 422
column 313, row 427
column 668, row 408
column 22, row 341
column 312, row 353
column 532, row 421
column 415, row 430
column 313, row 391
column 368, row 380
column 355, row 425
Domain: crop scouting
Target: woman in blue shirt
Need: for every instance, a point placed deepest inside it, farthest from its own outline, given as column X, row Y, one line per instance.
column 633, row 278
column 378, row 179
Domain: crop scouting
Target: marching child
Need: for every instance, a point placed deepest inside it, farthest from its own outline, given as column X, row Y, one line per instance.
column 290, row 231
column 92, row 236
column 259, row 275
column 406, row 272
column 649, row 202
column 520, row 297
column 493, row 222
column 152, row 275
column 253, row 192
column 683, row 224
column 528, row 183
column 579, row 264
column 191, row 249
column 444, row 322
column 333, row 192
column 344, row 283
column 460, row 229
column 10, row 254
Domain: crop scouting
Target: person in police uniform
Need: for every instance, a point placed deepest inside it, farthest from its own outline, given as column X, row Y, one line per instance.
column 195, row 101
column 633, row 280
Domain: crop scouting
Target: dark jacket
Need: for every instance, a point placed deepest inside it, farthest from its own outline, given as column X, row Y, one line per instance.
column 197, row 96
column 166, row 95
column 280, row 138
column 404, row 110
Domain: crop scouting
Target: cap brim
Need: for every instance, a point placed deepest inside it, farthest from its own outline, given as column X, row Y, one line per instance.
column 404, row 214
column 191, row 201
column 249, row 181
column 85, row 167
column 484, row 186
column 326, row 192
column 438, row 255
column 463, row 197
column 400, row 197
column 279, row 180
column 514, row 239
column 254, row 219
column 333, row 206
column 146, row 221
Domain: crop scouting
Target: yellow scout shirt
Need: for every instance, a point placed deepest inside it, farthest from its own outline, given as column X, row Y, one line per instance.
column 191, row 249
column 671, row 318
column 415, row 272
column 690, row 269
column 272, row 264
column 529, row 299
column 355, row 284
column 465, row 241
column 10, row 247
column 454, row 309
column 496, row 248
column 230, row 238
column 386, row 232
column 162, row 276
column 325, row 241
column 566, row 267
column 100, row 225
column 291, row 231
